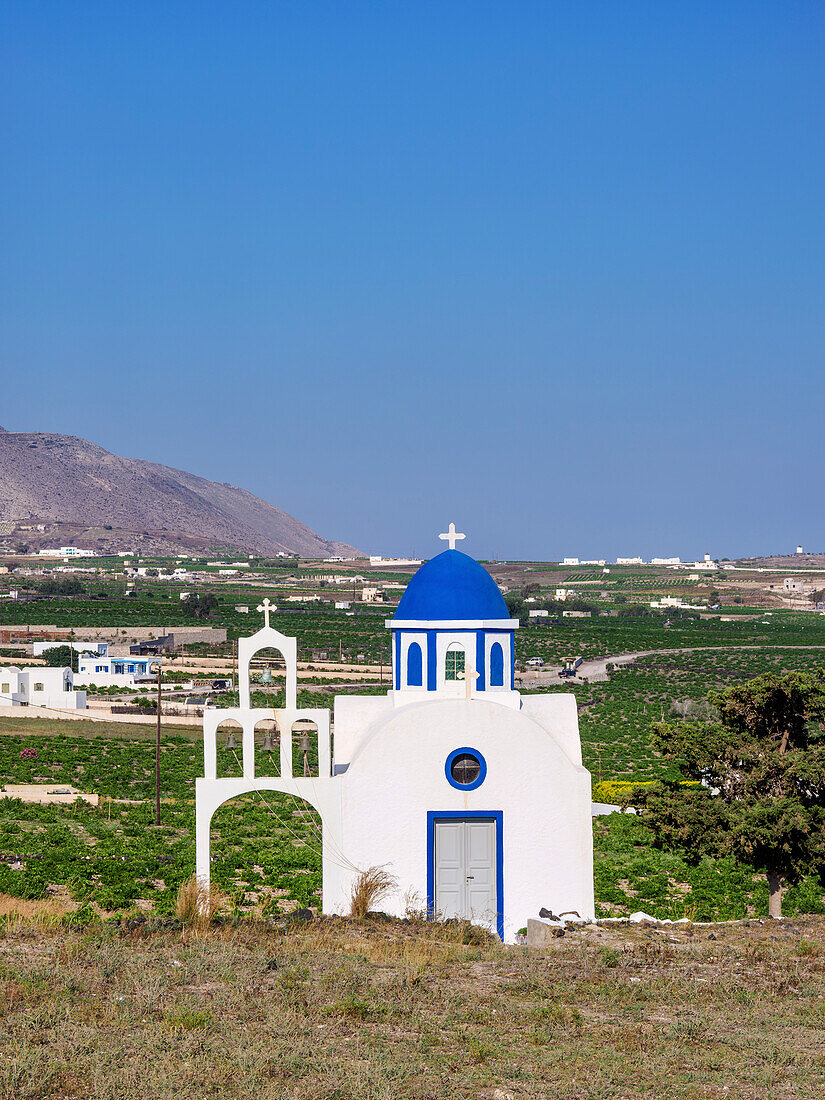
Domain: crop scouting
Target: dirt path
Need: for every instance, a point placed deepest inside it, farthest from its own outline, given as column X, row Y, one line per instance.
column 595, row 669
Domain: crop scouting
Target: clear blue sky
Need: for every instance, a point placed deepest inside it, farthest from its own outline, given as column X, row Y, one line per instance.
column 553, row 271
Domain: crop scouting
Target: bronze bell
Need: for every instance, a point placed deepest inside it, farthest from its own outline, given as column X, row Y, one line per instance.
column 268, row 745
column 231, row 743
column 304, row 745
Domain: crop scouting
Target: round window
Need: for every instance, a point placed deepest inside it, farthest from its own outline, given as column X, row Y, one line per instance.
column 465, row 768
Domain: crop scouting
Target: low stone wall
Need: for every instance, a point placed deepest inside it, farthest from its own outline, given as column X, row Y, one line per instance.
column 97, row 714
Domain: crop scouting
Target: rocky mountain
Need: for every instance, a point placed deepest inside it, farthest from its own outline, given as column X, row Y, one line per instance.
column 53, row 486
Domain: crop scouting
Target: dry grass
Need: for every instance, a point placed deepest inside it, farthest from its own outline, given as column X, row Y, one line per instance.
column 385, row 1010
column 19, row 914
column 370, row 889
column 197, row 905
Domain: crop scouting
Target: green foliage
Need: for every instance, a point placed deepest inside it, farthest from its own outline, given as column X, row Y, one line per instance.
column 631, row 874
column 762, row 770
column 201, row 607
column 62, row 587
column 62, row 656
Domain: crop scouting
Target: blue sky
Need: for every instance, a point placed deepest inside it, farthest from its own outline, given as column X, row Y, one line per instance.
column 553, row 271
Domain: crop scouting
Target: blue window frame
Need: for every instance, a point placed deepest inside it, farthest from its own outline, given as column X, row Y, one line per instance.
column 496, row 665
column 459, row 755
column 415, row 673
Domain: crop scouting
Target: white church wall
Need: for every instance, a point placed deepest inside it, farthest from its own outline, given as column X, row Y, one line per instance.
column 355, row 715
column 557, row 713
column 397, row 775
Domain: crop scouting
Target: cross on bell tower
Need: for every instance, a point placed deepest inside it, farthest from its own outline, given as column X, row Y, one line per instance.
column 266, row 607
column 452, row 536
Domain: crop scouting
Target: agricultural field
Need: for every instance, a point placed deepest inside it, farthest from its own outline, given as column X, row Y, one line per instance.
column 267, row 852
column 616, row 716
column 562, row 639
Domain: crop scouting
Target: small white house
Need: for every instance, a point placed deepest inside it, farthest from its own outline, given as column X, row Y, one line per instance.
column 473, row 797
column 40, row 687
column 125, row 672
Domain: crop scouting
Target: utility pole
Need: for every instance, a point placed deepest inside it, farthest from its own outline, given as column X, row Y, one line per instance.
column 157, row 756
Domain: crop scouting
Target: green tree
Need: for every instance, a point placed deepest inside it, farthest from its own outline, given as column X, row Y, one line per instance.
column 62, row 587
column 760, row 767
column 61, row 656
column 201, row 607
column 515, row 605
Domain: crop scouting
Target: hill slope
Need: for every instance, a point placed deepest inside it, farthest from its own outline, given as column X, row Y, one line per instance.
column 62, row 479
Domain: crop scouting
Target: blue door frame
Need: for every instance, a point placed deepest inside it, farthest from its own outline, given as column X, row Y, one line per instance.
column 467, row 815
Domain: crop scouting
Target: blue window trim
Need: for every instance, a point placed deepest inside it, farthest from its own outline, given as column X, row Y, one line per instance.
column 467, row 815
column 480, row 662
column 482, row 775
column 397, row 661
column 432, row 660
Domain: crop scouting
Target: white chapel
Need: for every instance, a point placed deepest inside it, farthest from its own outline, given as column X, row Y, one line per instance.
column 472, row 796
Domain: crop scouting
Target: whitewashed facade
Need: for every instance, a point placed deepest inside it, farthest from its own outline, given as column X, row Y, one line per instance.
column 473, row 797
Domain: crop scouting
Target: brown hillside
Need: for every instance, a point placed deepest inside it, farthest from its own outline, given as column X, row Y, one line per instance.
column 62, row 479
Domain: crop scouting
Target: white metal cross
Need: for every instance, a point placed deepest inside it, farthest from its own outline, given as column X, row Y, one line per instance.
column 266, row 607
column 452, row 536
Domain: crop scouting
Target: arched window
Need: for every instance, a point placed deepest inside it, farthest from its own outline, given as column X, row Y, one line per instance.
column 454, row 663
column 496, row 665
column 414, row 669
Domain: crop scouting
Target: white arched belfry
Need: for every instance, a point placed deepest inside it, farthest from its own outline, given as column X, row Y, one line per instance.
column 268, row 638
column 473, row 797
column 211, row 791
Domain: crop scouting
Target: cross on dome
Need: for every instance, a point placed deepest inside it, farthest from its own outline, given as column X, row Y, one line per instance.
column 452, row 536
column 266, row 607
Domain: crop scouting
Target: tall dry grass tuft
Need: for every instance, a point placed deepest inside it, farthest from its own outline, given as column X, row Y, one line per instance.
column 370, row 888
column 197, row 904
column 20, row 914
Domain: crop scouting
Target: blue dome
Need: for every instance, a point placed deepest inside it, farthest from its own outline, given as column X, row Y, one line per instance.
column 452, row 586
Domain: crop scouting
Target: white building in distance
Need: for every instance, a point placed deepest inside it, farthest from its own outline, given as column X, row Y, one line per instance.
column 99, row 649
column 67, row 552
column 40, row 687
column 473, row 797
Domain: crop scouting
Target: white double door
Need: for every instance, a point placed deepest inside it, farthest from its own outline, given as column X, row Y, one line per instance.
column 465, row 869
